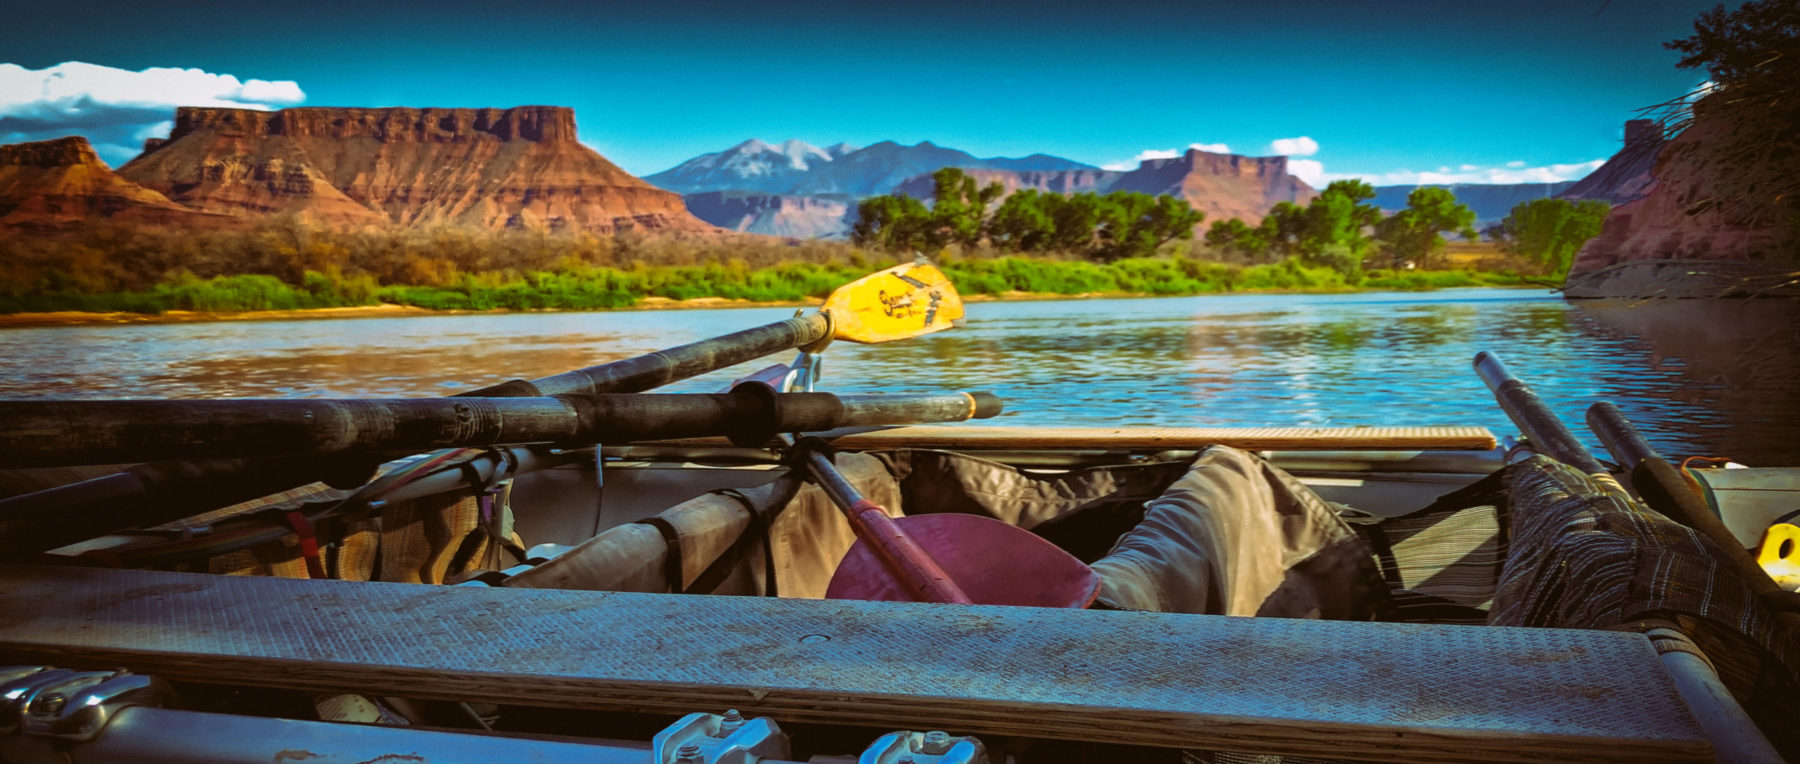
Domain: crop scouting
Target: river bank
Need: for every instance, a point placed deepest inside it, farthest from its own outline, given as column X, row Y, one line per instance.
column 392, row 310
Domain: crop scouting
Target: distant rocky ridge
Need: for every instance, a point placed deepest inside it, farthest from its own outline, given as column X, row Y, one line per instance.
column 1490, row 202
column 50, row 185
column 795, row 217
column 485, row 168
column 797, row 168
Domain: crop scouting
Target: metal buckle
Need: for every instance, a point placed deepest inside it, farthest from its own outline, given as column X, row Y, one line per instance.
column 726, row 738
column 924, row 748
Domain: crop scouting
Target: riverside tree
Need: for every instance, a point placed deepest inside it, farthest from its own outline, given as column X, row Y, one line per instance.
column 1415, row 233
column 1551, row 231
column 1102, row 227
column 1332, row 229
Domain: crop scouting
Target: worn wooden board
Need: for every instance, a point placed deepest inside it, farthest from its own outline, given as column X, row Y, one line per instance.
column 1160, row 438
column 1393, row 692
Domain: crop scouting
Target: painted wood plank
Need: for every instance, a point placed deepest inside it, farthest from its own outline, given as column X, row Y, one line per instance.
column 1395, row 692
column 1141, row 438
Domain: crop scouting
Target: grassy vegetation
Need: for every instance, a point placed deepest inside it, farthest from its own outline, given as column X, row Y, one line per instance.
column 286, row 267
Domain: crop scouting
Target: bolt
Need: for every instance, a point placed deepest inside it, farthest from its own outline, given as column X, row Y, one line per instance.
column 51, row 703
column 688, row 753
column 731, row 722
column 937, row 742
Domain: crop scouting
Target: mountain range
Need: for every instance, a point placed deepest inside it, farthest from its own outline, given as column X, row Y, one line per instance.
column 796, row 168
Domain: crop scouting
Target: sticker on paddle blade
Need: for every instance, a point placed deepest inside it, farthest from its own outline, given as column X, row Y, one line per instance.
column 992, row 562
column 900, row 302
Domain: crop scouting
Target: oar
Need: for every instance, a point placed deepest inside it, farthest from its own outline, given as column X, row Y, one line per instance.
column 108, row 432
column 896, row 303
column 948, row 558
column 90, row 430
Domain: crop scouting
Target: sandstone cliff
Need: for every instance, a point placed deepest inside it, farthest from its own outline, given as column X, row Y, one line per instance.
column 1650, row 247
column 1221, row 185
column 1625, row 177
column 490, row 168
column 56, row 184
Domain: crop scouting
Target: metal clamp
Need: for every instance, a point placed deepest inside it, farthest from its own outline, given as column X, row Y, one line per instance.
column 726, row 738
column 924, row 748
column 76, row 705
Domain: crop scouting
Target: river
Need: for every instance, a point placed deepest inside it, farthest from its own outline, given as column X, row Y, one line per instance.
column 1698, row 377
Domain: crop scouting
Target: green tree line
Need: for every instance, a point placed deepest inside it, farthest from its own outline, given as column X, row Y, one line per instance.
column 1102, row 227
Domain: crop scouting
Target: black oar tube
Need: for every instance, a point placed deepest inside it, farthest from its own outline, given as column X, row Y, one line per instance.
column 662, row 367
column 1533, row 417
column 59, row 433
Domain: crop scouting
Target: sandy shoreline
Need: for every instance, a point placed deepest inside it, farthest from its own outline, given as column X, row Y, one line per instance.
column 79, row 318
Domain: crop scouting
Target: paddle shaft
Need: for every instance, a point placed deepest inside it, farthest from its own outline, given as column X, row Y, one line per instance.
column 1533, row 417
column 903, row 557
column 108, row 432
column 662, row 367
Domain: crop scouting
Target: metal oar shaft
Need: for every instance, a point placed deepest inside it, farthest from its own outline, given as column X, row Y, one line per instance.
column 1533, row 417
column 110, row 432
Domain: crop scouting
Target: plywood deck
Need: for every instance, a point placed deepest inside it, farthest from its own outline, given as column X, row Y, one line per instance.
column 1394, row 692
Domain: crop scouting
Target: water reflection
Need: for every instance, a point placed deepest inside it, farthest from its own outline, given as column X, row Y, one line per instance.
column 1699, row 378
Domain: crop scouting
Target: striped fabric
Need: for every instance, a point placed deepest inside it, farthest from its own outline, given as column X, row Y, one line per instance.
column 1582, row 558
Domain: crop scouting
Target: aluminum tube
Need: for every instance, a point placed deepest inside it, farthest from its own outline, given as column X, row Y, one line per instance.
column 163, row 736
column 1735, row 738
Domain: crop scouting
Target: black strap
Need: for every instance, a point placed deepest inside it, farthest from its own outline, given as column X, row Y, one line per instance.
column 672, row 561
column 759, row 530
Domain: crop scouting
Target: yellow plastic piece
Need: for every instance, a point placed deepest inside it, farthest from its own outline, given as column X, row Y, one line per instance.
column 900, row 302
column 1780, row 555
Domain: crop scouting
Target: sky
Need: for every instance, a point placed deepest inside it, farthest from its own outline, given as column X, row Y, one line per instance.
column 1395, row 92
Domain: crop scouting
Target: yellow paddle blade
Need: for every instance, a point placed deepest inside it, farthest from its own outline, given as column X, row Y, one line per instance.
column 1780, row 554
column 900, row 302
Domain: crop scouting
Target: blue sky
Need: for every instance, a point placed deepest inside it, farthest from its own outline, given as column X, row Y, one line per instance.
column 1515, row 90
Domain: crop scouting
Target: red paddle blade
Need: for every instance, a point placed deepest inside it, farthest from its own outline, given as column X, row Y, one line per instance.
column 994, row 563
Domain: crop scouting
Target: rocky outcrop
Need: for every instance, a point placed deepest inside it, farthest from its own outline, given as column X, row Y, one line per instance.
column 486, row 168
column 58, row 184
column 795, row 217
column 1221, row 185
column 1688, row 236
column 1626, row 176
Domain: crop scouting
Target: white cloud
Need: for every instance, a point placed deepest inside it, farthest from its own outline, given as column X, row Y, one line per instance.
column 1310, row 170
column 1513, row 172
column 117, row 109
column 1516, row 163
column 1148, row 154
column 1294, row 147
